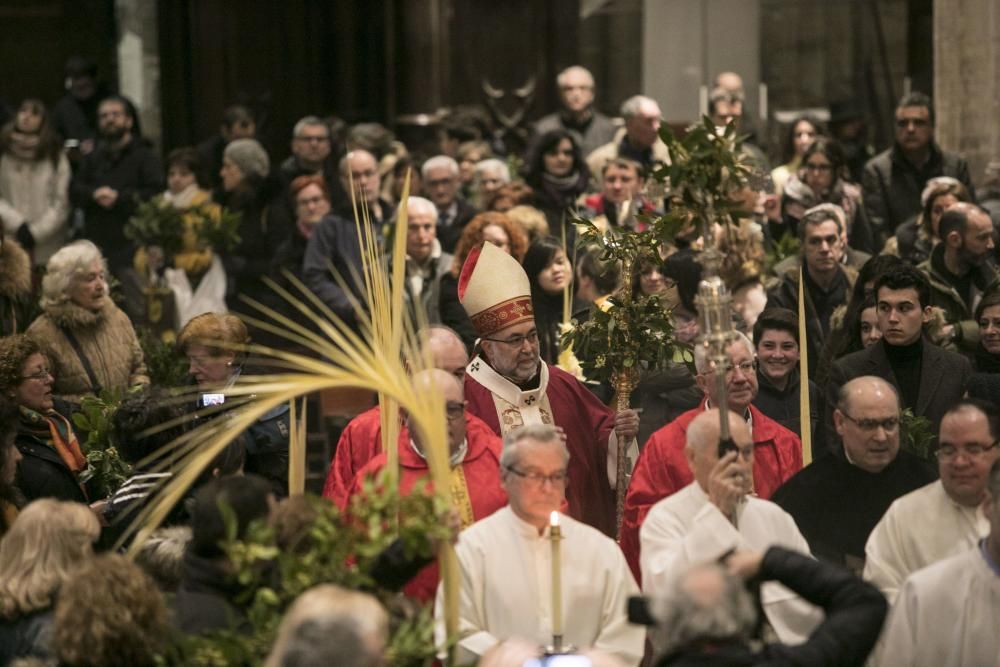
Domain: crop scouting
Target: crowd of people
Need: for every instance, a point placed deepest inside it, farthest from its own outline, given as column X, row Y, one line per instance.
column 895, row 521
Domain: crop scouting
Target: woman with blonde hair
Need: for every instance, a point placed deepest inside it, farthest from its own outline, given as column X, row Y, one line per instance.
column 92, row 343
column 41, row 551
column 211, row 344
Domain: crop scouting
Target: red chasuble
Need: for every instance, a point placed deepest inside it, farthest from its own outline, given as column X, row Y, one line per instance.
column 482, row 493
column 560, row 399
column 662, row 470
column 359, row 443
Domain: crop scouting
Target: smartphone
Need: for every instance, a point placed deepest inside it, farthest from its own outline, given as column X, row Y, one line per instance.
column 212, row 399
column 559, row 660
column 726, row 446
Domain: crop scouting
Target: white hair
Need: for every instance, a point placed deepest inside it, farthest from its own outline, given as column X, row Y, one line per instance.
column 573, row 69
column 309, row 121
column 438, row 162
column 701, row 360
column 513, row 443
column 346, row 160
column 633, row 105
column 421, row 205
column 66, row 264
column 494, row 165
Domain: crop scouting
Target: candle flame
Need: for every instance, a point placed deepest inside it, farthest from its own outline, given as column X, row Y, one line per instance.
column 554, row 519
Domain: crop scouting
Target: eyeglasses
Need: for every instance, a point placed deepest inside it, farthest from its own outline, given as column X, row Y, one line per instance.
column 888, row 424
column 517, row 341
column 455, row 410
column 311, row 201
column 949, row 453
column 43, row 374
column 538, row 480
column 746, row 368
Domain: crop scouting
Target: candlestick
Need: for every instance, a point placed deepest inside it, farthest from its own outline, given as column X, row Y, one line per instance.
column 555, row 535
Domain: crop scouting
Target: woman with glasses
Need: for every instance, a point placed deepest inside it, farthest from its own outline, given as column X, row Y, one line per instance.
column 51, row 457
column 821, row 180
column 557, row 172
column 92, row 343
column 34, row 182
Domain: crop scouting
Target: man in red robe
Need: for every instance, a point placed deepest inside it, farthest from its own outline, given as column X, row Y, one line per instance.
column 361, row 439
column 507, row 385
column 475, row 476
column 662, row 468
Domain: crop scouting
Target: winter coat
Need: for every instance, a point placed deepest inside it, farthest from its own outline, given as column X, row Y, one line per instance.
column 985, row 278
column 15, row 288
column 36, row 192
column 107, row 339
column 27, row 636
column 41, row 472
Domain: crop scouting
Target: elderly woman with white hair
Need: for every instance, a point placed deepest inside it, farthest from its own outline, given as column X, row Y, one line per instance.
column 91, row 341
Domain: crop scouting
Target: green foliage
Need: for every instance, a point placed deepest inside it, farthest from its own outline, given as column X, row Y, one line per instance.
column 217, row 228
column 630, row 335
column 156, row 223
column 785, row 247
column 106, row 471
column 335, row 548
column 706, row 169
column 917, row 436
column 165, row 367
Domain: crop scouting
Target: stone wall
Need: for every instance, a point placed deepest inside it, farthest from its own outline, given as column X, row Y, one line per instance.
column 967, row 80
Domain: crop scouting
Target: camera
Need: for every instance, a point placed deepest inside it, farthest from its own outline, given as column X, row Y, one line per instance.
column 208, row 400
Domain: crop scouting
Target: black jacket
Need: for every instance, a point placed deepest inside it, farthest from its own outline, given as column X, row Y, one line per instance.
column 782, row 405
column 41, row 473
column 26, row 637
column 892, row 185
column 206, row 598
column 448, row 236
column 853, row 615
column 944, row 377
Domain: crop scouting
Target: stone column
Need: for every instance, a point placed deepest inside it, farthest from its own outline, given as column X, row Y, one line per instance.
column 139, row 63
column 967, row 80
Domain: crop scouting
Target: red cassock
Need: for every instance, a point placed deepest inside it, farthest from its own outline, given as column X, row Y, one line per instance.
column 481, row 468
column 359, row 443
column 662, row 470
column 587, row 423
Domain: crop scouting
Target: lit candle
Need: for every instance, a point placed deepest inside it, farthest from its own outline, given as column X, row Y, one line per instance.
column 555, row 534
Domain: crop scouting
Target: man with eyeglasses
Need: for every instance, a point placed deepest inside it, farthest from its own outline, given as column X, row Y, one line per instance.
column 474, row 452
column 717, row 513
column 361, row 439
column 508, row 385
column 893, row 179
column 945, row 517
column 506, row 563
column 577, row 115
column 927, row 377
column 947, row 613
column 440, row 177
column 335, row 239
column 837, row 500
column 828, row 281
column 663, row 467
column 311, row 147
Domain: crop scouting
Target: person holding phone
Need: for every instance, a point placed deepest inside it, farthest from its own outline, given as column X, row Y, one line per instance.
column 211, row 343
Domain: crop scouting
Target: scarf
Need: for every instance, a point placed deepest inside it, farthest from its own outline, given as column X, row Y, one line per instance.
column 562, row 191
column 55, row 431
column 986, row 362
column 24, row 146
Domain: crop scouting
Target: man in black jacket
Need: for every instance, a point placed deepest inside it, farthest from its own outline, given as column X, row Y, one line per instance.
column 710, row 617
column 121, row 172
column 893, row 180
column 928, row 378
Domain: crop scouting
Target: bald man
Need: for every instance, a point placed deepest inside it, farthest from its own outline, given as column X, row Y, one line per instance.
column 474, row 453
column 838, row 500
column 715, row 514
column 361, row 439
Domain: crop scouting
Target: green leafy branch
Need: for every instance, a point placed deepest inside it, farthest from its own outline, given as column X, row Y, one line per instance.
column 335, row 548
column 157, row 223
column 106, row 471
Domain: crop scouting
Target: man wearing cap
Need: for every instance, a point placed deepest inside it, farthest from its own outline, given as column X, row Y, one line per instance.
column 507, row 385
